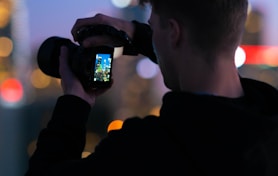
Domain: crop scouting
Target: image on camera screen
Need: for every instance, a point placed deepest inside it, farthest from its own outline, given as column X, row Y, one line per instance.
column 103, row 63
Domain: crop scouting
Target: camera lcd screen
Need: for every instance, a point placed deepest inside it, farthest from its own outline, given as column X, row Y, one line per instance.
column 102, row 69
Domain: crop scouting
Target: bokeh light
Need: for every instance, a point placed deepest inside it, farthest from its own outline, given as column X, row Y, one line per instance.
column 270, row 56
column 92, row 139
column 115, row 125
column 6, row 46
column 11, row 90
column 146, row 68
column 5, row 12
column 261, row 55
column 39, row 80
column 155, row 111
column 240, row 57
column 121, row 3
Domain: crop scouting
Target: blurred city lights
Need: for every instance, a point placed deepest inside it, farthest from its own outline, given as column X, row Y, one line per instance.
column 3, row 75
column 146, row 68
column 240, row 57
column 253, row 23
column 121, row 3
column 11, row 91
column 6, row 46
column 5, row 12
column 155, row 111
column 40, row 80
column 115, row 125
column 92, row 139
column 261, row 55
column 16, row 59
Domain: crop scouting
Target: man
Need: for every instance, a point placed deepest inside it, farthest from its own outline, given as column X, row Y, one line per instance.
column 212, row 121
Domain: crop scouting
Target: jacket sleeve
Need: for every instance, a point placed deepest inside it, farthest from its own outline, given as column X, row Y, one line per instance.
column 64, row 137
column 142, row 42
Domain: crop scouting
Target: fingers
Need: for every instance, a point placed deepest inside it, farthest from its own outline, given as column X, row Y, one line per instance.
column 71, row 84
column 98, row 41
column 97, row 19
column 63, row 60
column 82, row 22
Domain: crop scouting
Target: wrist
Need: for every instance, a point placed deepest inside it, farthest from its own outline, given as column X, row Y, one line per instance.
column 90, row 99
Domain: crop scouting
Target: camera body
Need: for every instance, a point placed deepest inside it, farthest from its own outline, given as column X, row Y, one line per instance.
column 92, row 66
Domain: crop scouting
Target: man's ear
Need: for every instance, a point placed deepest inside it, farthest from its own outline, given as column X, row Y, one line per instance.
column 175, row 32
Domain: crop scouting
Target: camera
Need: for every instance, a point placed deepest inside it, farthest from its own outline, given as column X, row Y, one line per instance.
column 92, row 66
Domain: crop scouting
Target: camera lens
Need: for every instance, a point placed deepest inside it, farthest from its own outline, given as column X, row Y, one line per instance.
column 49, row 52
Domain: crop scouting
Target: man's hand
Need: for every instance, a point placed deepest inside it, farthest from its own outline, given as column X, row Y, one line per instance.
column 119, row 24
column 71, row 84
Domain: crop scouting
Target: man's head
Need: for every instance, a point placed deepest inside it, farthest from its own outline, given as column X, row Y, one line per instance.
column 194, row 38
column 211, row 23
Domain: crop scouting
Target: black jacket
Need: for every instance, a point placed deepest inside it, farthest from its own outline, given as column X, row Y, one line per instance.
column 194, row 135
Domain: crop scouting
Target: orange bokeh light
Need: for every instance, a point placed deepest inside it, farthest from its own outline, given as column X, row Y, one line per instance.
column 115, row 125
